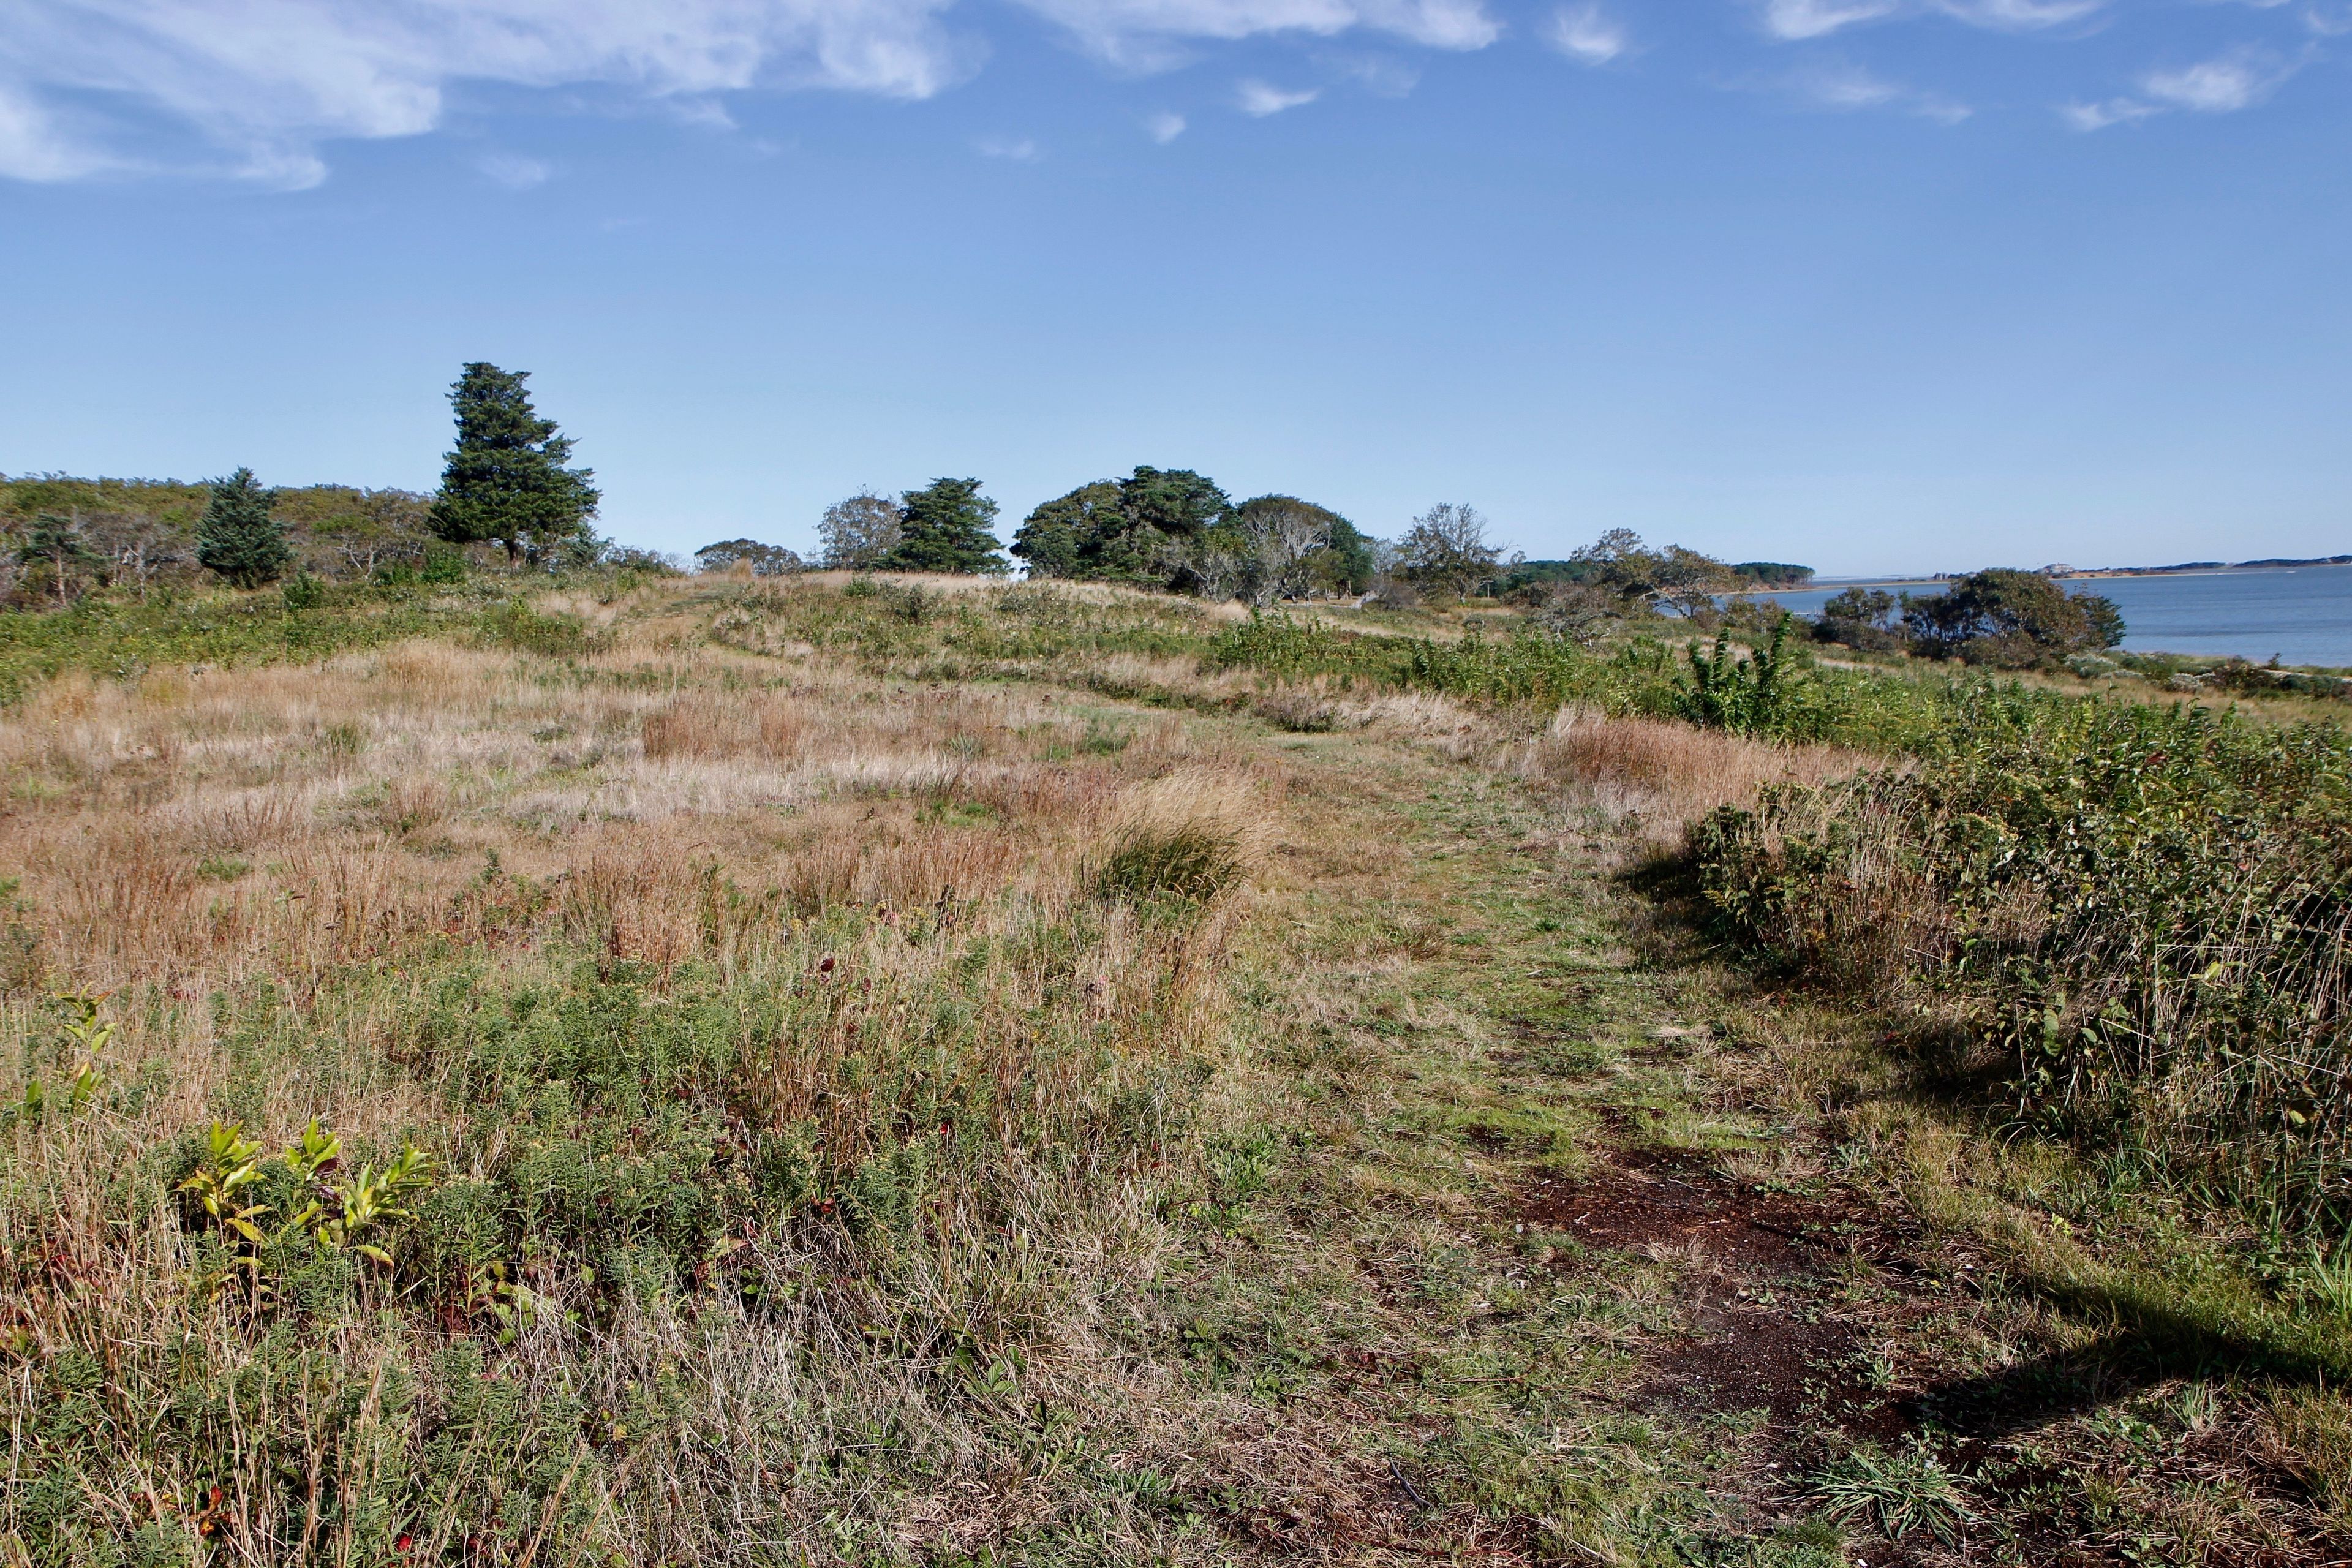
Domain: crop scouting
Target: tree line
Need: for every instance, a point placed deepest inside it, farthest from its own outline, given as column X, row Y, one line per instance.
column 506, row 484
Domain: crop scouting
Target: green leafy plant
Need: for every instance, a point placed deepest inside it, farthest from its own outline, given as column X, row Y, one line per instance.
column 1901, row 1492
column 1724, row 691
column 338, row 1217
column 231, row 1162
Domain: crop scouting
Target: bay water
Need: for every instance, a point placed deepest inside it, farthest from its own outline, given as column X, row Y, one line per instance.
column 2301, row 614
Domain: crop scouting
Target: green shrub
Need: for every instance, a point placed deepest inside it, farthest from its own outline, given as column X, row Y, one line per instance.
column 513, row 624
column 2144, row 909
column 1746, row 696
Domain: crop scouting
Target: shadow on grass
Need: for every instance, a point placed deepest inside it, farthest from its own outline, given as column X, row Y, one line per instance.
column 2155, row 1333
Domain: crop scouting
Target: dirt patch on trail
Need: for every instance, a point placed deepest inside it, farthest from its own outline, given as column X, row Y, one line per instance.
column 1764, row 1333
column 1662, row 1197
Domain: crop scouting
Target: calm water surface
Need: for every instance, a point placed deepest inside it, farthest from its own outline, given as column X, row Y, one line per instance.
column 2302, row 613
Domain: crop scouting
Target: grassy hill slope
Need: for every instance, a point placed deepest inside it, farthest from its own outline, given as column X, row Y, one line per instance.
column 920, row 1071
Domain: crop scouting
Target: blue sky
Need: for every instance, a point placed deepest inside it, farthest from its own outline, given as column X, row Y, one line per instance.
column 1870, row 284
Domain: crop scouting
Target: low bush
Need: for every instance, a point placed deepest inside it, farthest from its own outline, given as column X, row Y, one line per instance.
column 2143, row 911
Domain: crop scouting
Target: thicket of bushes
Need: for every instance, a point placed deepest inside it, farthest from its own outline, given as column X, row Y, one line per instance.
column 2144, row 909
column 1787, row 697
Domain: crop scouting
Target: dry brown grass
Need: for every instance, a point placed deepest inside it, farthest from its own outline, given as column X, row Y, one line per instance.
column 1656, row 776
column 324, row 840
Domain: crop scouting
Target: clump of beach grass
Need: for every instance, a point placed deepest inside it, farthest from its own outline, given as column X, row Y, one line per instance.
column 1193, row 835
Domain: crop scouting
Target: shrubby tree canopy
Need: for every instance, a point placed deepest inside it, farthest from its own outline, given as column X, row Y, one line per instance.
column 2011, row 619
column 944, row 527
column 1862, row 618
column 1061, row 537
column 765, row 560
column 505, row 480
column 1173, row 528
column 54, row 547
column 1772, row 574
column 1291, row 545
column 857, row 532
column 239, row 539
column 1446, row 548
column 1677, row 578
column 1151, row 529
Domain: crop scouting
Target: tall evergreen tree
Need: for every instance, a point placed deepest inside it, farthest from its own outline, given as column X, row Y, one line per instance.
column 505, row 480
column 1157, row 529
column 239, row 539
column 944, row 527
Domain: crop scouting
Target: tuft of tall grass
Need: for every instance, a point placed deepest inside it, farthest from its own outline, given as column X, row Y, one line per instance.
column 1193, row 835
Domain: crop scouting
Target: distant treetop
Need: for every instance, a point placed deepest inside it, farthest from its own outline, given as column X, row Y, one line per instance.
column 1772, row 574
column 764, row 560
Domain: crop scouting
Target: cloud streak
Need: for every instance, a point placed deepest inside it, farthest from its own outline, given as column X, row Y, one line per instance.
column 1587, row 32
column 2230, row 82
column 258, row 89
column 1795, row 21
column 1847, row 88
column 1260, row 98
column 263, row 84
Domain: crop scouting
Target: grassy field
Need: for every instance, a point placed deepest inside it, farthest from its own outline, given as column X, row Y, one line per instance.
column 899, row 1071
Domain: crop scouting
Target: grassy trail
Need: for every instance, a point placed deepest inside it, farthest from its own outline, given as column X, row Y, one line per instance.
column 1500, row 1269
column 1585, row 1251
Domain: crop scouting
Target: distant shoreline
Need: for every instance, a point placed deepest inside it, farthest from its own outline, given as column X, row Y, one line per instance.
column 2088, row 573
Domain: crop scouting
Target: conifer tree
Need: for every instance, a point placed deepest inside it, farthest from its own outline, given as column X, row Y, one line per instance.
column 56, row 549
column 239, row 539
column 505, row 480
column 944, row 527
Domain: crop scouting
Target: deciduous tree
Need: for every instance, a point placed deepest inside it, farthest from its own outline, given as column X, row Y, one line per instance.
column 858, row 531
column 61, row 558
column 2010, row 619
column 764, row 560
column 1446, row 548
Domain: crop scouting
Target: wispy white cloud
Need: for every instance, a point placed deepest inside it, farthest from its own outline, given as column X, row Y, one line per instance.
column 32, row 147
column 263, row 82
column 1382, row 76
column 1587, row 32
column 1798, row 19
column 2111, row 111
column 2022, row 16
column 1164, row 127
column 2223, row 85
column 2232, row 82
column 1017, row 149
column 1139, row 31
column 257, row 89
column 1846, row 87
column 1262, row 99
column 513, row 171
